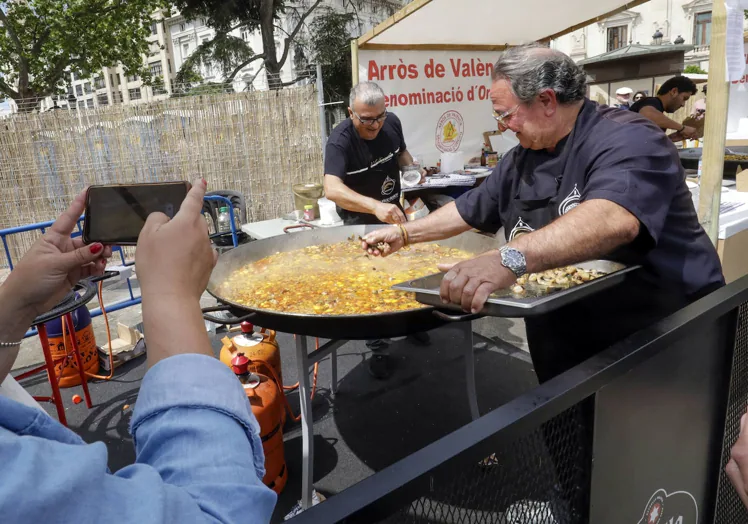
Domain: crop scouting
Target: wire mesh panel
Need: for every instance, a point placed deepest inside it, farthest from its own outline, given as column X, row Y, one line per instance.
column 729, row 509
column 540, row 478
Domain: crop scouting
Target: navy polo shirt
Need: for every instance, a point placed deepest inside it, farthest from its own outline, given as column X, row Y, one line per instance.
column 619, row 156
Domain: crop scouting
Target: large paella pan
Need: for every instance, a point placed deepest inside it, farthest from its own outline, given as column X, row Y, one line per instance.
column 233, row 283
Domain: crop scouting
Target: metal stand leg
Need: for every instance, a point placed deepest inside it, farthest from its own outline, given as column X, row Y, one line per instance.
column 68, row 319
column 334, row 372
column 51, row 374
column 307, row 428
column 467, row 328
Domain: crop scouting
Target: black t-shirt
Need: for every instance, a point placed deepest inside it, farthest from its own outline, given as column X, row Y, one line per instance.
column 369, row 167
column 615, row 156
column 651, row 101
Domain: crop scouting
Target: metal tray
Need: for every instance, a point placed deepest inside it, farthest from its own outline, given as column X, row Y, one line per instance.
column 504, row 303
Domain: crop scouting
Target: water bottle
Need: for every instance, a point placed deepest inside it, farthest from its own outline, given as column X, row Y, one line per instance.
column 224, row 220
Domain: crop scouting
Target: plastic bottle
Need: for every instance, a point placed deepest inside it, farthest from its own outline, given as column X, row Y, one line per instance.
column 224, row 220
column 309, row 213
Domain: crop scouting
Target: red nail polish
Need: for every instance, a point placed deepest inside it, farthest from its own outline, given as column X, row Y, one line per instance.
column 95, row 248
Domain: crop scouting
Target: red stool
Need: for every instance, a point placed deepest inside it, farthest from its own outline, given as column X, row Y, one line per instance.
column 82, row 293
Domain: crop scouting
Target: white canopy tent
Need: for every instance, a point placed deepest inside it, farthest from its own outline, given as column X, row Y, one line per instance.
column 450, row 24
column 431, row 31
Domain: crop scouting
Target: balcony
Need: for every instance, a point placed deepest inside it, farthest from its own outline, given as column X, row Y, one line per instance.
column 699, row 50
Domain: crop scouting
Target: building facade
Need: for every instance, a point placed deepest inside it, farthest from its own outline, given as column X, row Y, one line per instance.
column 658, row 22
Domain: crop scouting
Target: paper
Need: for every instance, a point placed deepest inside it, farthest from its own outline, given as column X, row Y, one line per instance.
column 734, row 50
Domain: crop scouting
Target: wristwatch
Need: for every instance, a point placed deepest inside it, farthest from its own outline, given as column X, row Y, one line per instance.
column 513, row 260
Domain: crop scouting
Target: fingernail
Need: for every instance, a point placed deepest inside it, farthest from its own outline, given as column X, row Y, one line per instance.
column 96, row 248
column 473, row 311
column 205, row 182
column 444, row 301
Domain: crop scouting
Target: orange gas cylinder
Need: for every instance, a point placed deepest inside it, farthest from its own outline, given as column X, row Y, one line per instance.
column 265, row 397
column 260, row 348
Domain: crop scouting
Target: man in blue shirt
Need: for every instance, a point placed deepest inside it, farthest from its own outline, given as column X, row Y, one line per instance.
column 199, row 455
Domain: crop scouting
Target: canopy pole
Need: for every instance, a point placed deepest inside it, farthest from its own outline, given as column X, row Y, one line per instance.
column 354, row 61
column 715, row 127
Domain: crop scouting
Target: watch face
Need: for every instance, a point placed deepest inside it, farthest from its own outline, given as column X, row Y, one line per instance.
column 513, row 258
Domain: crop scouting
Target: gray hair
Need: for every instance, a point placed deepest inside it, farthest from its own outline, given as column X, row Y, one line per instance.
column 367, row 92
column 533, row 68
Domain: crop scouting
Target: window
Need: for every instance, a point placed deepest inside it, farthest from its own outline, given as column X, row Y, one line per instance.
column 159, row 88
column 154, row 28
column 181, row 27
column 70, row 90
column 81, row 104
column 168, row 62
column 99, row 83
column 90, row 102
column 103, row 100
column 185, row 50
column 156, row 69
column 133, row 78
column 617, row 37
column 79, row 90
column 134, row 93
column 702, row 28
column 246, row 34
column 111, row 79
column 87, row 88
column 204, row 40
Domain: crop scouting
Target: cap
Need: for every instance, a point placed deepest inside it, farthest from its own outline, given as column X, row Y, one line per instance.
column 624, row 91
column 224, row 209
column 308, row 207
column 247, row 327
column 239, row 364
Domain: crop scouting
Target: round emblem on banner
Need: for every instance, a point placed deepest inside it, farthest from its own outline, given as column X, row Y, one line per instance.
column 663, row 508
column 449, row 131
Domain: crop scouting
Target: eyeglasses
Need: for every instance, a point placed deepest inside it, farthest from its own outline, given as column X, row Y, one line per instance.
column 371, row 121
column 504, row 118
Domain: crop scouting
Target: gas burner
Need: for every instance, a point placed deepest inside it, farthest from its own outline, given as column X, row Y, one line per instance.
column 81, row 294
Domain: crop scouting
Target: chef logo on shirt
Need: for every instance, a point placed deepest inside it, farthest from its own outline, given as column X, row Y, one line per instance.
column 388, row 186
column 570, row 202
column 675, row 508
column 521, row 228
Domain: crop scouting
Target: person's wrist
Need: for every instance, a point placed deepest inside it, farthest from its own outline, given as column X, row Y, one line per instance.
column 15, row 299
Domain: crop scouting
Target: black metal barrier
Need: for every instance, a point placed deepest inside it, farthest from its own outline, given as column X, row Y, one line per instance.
column 666, row 402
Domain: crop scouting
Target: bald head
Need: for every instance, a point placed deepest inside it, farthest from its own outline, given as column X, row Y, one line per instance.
column 531, row 69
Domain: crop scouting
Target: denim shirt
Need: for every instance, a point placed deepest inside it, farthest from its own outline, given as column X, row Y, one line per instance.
column 199, row 457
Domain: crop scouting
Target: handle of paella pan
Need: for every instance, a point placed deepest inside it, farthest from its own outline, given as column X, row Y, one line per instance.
column 456, row 318
column 224, row 321
column 289, row 229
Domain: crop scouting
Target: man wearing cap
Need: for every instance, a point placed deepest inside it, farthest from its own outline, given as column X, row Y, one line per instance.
column 623, row 95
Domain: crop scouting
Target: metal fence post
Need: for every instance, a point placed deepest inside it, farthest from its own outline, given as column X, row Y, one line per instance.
column 321, row 105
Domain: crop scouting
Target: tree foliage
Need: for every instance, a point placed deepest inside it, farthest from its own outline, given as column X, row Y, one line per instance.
column 233, row 54
column 693, row 69
column 330, row 43
column 40, row 39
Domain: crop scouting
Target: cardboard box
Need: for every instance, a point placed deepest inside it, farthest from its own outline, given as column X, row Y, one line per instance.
column 129, row 344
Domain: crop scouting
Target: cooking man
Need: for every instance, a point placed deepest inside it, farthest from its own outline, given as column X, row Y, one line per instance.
column 671, row 96
column 586, row 182
column 362, row 175
column 363, row 158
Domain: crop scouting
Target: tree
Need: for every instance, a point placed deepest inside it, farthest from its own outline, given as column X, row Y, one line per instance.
column 233, row 54
column 330, row 43
column 693, row 69
column 42, row 39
